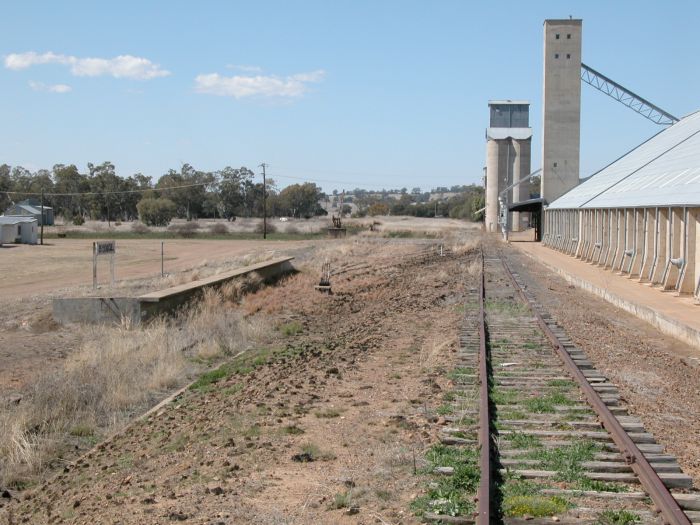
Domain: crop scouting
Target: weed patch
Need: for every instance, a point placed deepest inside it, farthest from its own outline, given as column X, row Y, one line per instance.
column 617, row 517
column 566, row 461
column 584, row 483
column 545, row 404
column 341, row 500
column 445, row 409
column 449, row 396
column 507, row 307
column 291, row 328
column 82, row 430
column 451, row 495
column 312, row 452
column 521, row 440
column 241, row 365
column 328, row 413
column 534, row 506
column 455, row 374
column 503, row 397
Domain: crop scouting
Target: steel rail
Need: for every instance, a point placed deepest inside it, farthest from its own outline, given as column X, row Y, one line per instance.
column 484, row 491
column 665, row 504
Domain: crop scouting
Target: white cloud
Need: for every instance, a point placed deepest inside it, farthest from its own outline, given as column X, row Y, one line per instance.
column 244, row 68
column 50, row 88
column 123, row 66
column 240, row 86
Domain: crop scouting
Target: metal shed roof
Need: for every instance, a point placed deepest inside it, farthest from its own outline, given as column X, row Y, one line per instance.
column 663, row 171
column 15, row 219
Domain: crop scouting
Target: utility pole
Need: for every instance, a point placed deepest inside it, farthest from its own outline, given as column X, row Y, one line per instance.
column 263, row 166
column 42, row 216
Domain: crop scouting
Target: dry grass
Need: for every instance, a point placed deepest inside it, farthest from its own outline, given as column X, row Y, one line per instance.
column 464, row 247
column 117, row 373
column 302, row 226
column 430, row 352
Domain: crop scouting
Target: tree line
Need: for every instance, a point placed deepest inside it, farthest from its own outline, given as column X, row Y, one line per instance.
column 465, row 203
column 187, row 193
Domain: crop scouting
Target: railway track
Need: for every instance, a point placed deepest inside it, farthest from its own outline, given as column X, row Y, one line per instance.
column 545, row 432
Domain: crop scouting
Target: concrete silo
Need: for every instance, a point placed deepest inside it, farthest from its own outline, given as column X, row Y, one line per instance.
column 561, row 107
column 508, row 144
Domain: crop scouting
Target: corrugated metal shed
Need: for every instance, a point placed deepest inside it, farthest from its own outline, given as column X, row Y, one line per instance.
column 15, row 219
column 663, row 171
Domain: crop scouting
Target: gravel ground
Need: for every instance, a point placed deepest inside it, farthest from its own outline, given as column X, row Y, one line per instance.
column 646, row 365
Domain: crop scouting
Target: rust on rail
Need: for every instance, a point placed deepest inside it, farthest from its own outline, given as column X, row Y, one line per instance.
column 484, row 491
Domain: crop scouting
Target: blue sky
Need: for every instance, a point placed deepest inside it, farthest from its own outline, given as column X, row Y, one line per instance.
column 372, row 93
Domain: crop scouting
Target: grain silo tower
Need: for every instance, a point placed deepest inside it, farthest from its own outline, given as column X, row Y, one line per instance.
column 508, row 143
column 561, row 107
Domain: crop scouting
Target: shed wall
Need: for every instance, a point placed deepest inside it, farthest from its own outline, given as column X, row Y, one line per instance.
column 656, row 245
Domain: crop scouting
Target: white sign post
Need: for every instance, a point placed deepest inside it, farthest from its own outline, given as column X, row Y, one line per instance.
column 100, row 248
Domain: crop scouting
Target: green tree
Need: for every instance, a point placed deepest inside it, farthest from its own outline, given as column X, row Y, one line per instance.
column 189, row 200
column 378, row 208
column 156, row 211
column 67, row 179
column 232, row 190
column 5, row 185
column 300, row 200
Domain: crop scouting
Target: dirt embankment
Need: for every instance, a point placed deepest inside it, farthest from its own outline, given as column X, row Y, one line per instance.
column 327, row 428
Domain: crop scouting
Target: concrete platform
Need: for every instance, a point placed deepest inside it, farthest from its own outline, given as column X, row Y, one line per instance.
column 96, row 310
column 676, row 316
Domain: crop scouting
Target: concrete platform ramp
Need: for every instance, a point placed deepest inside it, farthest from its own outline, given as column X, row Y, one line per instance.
column 135, row 310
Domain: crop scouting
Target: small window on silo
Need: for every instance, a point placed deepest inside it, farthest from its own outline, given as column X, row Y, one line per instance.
column 556, row 36
column 556, row 55
column 568, row 36
column 568, row 55
column 555, row 164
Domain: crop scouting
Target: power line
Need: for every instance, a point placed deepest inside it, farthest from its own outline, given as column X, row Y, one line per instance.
column 263, row 166
column 346, row 172
column 115, row 192
column 356, row 183
column 184, row 186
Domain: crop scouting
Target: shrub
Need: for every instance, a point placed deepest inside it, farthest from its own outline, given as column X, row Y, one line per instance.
column 218, row 229
column 156, row 212
column 78, row 220
column 186, row 230
column 140, row 228
column 291, row 328
column 378, row 208
column 271, row 228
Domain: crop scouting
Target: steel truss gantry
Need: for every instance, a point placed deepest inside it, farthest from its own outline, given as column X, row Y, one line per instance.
column 625, row 96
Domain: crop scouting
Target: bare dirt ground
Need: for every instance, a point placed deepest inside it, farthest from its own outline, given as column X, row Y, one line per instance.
column 27, row 271
column 646, row 365
column 328, row 426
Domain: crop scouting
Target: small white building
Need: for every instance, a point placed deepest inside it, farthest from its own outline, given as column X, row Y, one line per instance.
column 18, row 230
column 31, row 208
